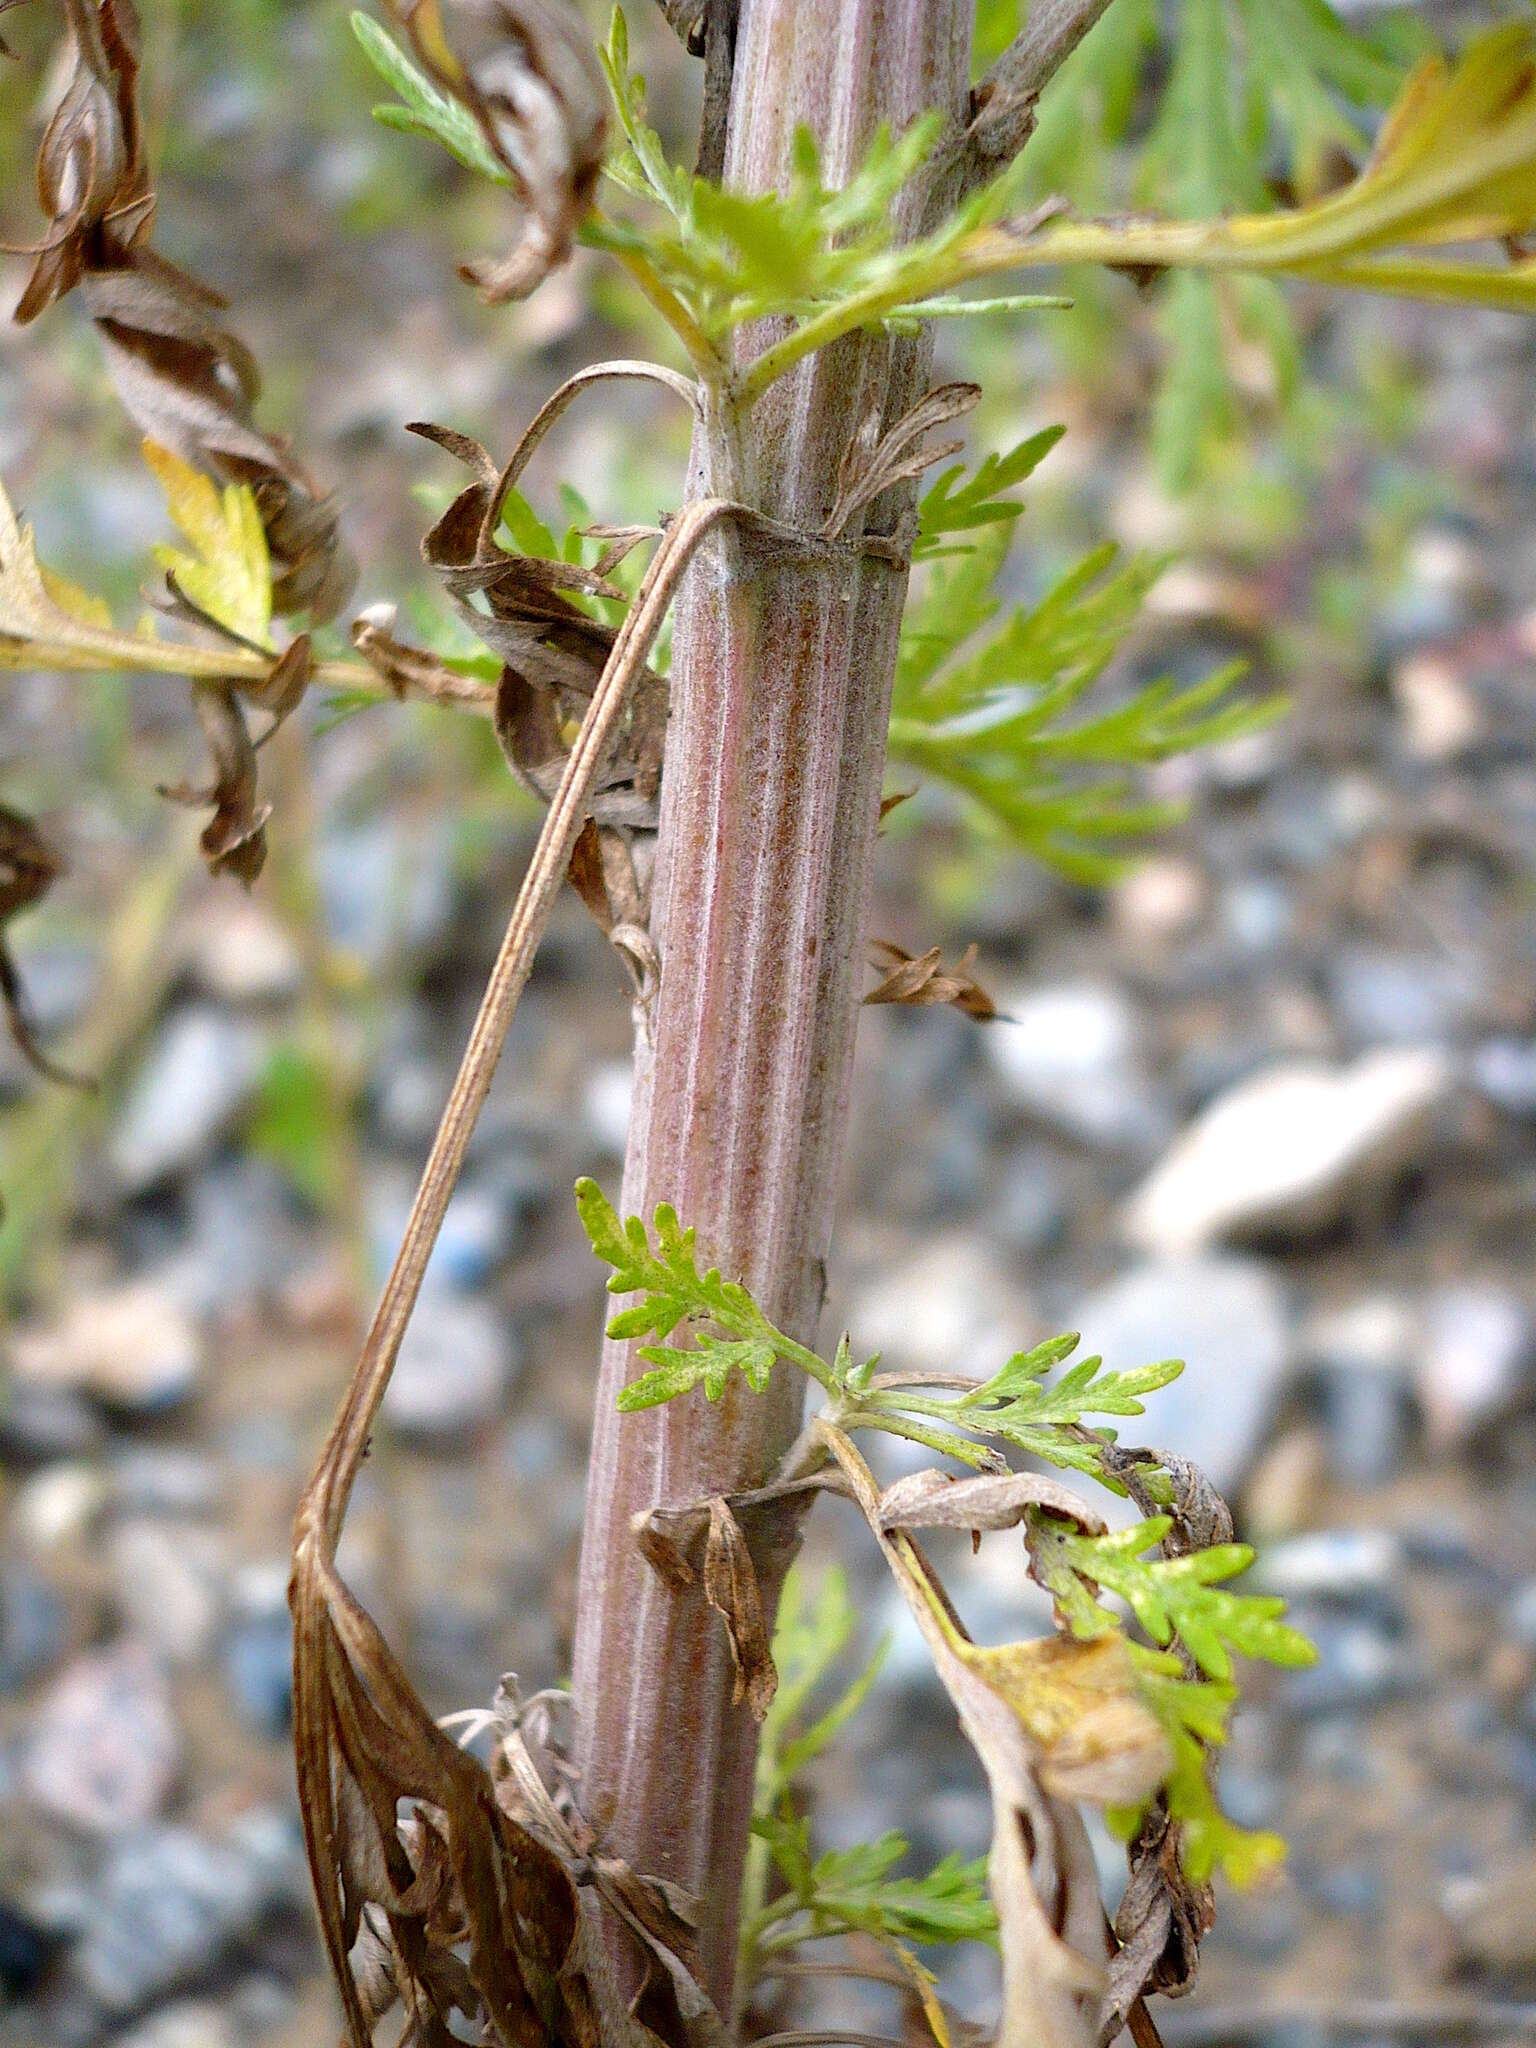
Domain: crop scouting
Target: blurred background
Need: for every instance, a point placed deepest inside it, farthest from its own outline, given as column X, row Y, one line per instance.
column 186, row 1254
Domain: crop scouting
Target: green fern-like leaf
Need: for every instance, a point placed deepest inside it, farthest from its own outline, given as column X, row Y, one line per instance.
column 674, row 1291
column 1170, row 1596
column 995, row 711
column 848, row 1891
column 1194, row 1715
column 422, row 107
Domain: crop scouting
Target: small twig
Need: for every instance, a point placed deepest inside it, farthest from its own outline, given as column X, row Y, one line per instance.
column 955, row 1382
column 1003, row 103
column 325, row 1501
column 617, row 371
column 333, row 1635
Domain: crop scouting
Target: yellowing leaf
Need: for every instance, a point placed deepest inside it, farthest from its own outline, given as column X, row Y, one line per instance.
column 72, row 600
column 1455, row 162
column 1081, row 1706
column 229, row 574
column 45, row 620
column 923, row 1983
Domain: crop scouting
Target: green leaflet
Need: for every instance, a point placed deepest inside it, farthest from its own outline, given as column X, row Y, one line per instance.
column 1182, row 1604
column 423, row 108
column 1169, row 1596
column 998, row 710
column 857, row 1891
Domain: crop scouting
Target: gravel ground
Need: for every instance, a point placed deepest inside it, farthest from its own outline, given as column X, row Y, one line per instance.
column 1268, row 1103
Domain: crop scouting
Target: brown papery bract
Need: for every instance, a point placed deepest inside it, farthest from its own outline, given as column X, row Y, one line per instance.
column 919, row 978
column 526, row 71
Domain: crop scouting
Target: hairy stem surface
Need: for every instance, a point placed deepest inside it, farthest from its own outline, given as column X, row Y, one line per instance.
column 781, row 688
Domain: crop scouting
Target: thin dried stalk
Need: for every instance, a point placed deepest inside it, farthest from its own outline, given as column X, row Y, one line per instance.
column 468, row 1876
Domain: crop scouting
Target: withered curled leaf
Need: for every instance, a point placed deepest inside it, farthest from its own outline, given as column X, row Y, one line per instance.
column 933, row 1499
column 497, row 1895
column 190, row 386
column 874, row 462
column 1079, row 1705
column 234, row 840
column 92, row 181
column 412, row 671
column 921, row 979
column 730, row 1586
column 553, row 655
column 1163, row 1916
column 186, row 381
column 1160, row 1923
column 429, row 1890
column 663, row 1918
column 526, row 71
column 28, row 869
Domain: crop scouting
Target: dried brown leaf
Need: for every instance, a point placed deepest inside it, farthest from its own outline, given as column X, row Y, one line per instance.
column 553, row 655
column 281, row 690
column 476, row 1882
column 412, row 671
column 921, row 979
column 1162, row 1917
column 665, row 1537
column 874, row 462
column 730, row 1586
column 91, row 177
column 1160, row 1922
column 526, row 71
column 28, row 869
column 933, row 1499
column 663, row 1918
column 234, row 839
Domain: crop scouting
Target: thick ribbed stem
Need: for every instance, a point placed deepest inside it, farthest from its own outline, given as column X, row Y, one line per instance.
column 781, row 689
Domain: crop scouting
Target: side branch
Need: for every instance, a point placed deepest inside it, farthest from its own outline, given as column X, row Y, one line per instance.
column 1003, row 103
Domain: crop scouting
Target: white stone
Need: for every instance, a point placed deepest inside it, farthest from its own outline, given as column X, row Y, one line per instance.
column 242, row 954
column 950, row 1307
column 57, row 1504
column 1225, row 1317
column 455, row 1366
column 1289, row 1148
column 188, row 2023
column 168, row 1580
column 605, row 1105
column 1474, row 1359
column 1070, row 1055
column 1371, row 1333
column 1161, row 898
column 105, row 1749
column 130, row 1345
column 1441, row 716
column 199, row 1075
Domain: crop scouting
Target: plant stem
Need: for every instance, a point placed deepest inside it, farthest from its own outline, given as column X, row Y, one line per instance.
column 781, row 691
